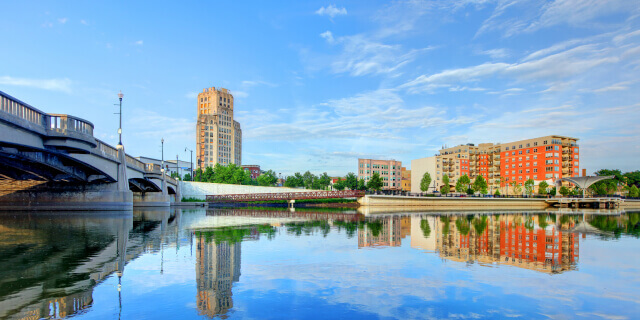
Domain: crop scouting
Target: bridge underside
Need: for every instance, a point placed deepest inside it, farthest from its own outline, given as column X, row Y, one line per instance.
column 23, row 163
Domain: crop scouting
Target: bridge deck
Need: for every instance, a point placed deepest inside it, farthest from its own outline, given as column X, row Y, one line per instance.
column 285, row 196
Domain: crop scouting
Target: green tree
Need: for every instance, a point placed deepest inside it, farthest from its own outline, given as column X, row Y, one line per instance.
column 351, row 181
column 553, row 191
column 339, row 185
column 445, row 181
column 633, row 191
column 267, row 178
column 198, row 175
column 463, row 183
column 375, row 183
column 425, row 182
column 608, row 186
column 308, row 179
column 528, row 186
column 480, row 185
column 207, row 176
column 187, row 177
column 497, row 193
column 517, row 188
column 633, row 178
column 324, row 181
column 175, row 175
column 564, row 191
column 361, row 185
column 542, row 188
column 294, row 181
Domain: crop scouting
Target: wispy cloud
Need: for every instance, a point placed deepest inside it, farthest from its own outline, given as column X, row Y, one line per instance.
column 63, row 85
column 362, row 56
column 139, row 43
column 62, row 20
column 514, row 17
column 496, row 53
column 331, row 11
column 253, row 83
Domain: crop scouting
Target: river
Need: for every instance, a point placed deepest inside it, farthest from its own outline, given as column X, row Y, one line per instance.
column 319, row 263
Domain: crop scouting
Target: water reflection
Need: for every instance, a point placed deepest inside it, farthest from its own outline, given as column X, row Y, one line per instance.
column 51, row 264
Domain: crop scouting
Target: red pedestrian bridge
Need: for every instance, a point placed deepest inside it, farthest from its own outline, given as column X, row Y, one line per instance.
column 285, row 196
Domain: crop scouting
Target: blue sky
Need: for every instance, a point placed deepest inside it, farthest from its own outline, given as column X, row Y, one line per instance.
column 318, row 84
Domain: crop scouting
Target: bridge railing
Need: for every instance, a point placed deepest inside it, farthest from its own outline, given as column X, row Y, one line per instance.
column 21, row 110
column 106, row 150
column 65, row 124
column 135, row 163
column 285, row 196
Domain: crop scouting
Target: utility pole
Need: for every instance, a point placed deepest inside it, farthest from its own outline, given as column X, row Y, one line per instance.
column 177, row 166
column 162, row 161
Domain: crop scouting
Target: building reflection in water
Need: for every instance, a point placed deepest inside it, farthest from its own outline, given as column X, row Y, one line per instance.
column 217, row 268
column 526, row 241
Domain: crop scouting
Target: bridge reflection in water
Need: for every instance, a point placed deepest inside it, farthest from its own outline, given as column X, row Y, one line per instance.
column 51, row 263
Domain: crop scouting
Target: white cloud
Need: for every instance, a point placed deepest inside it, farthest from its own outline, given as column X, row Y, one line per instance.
column 331, row 11
column 620, row 86
column 63, row 85
column 496, row 53
column 327, row 35
column 62, row 20
column 139, row 43
column 84, row 22
column 362, row 56
column 252, row 83
column 514, row 17
column 551, row 68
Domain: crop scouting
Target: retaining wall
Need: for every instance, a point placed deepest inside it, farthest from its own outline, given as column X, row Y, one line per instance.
column 199, row 190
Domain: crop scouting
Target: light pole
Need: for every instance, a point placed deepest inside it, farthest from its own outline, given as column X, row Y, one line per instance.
column 120, row 95
column 162, row 161
column 191, row 173
column 177, row 166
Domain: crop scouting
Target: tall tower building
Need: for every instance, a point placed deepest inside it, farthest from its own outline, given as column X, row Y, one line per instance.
column 219, row 137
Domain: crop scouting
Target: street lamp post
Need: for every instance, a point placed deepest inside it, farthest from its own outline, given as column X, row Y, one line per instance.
column 162, row 161
column 177, row 166
column 120, row 95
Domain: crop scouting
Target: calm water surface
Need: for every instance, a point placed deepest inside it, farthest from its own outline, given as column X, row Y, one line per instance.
column 319, row 264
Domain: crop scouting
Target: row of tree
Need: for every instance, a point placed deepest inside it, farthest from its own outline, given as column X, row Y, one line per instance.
column 621, row 182
column 231, row 174
column 462, row 185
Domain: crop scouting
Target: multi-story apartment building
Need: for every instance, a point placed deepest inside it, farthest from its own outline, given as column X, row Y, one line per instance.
column 219, row 137
column 405, row 183
column 545, row 158
column 389, row 171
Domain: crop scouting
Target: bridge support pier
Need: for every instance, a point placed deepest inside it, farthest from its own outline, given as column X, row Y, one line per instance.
column 291, row 203
column 52, row 196
column 151, row 199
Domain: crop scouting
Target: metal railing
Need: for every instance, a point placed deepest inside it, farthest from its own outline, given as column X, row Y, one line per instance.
column 285, row 196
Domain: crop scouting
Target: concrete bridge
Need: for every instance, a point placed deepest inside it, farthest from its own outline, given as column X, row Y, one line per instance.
column 53, row 162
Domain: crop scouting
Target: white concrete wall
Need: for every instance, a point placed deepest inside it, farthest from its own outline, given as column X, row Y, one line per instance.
column 201, row 189
column 418, row 168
